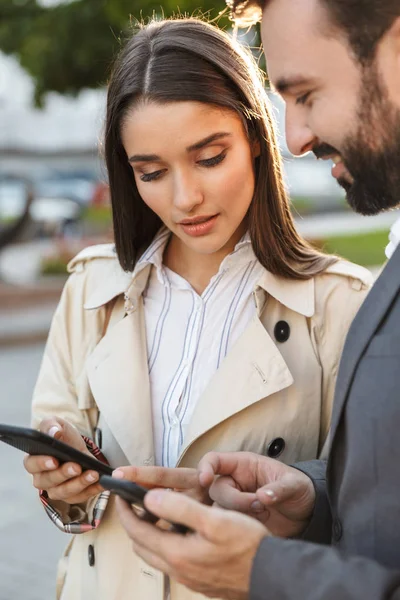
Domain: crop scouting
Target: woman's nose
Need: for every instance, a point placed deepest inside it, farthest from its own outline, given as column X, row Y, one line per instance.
column 187, row 194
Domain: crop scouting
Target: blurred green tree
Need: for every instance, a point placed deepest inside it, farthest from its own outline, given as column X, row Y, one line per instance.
column 69, row 45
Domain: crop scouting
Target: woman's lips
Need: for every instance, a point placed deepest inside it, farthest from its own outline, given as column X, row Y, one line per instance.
column 199, row 227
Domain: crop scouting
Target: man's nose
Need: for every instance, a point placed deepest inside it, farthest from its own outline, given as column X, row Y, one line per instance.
column 187, row 193
column 299, row 137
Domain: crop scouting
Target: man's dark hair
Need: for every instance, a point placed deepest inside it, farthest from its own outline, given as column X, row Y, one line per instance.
column 364, row 22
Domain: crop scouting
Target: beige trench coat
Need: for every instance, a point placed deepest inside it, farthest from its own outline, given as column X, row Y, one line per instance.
column 263, row 390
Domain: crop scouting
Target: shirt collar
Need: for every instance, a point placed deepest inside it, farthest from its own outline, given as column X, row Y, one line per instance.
column 394, row 238
column 153, row 255
column 242, row 253
column 297, row 295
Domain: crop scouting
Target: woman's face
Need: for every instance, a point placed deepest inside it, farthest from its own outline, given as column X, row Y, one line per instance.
column 194, row 167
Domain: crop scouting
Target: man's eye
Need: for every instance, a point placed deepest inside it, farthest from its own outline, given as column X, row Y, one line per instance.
column 151, row 176
column 303, row 99
column 212, row 162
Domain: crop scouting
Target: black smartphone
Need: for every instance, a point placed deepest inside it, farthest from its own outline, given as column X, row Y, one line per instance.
column 134, row 494
column 36, row 443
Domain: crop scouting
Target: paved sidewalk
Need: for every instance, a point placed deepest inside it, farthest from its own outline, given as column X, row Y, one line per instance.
column 30, row 545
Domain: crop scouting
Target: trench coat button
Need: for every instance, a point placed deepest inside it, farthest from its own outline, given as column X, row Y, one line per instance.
column 282, row 332
column 91, row 555
column 276, row 447
column 337, row 530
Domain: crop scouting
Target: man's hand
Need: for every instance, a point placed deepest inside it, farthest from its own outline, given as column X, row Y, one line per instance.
column 65, row 482
column 216, row 560
column 280, row 497
column 180, row 480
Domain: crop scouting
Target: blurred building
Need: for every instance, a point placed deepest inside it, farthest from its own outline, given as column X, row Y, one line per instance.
column 63, row 135
column 66, row 135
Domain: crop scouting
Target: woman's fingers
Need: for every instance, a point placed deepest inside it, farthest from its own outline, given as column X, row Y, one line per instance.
column 37, row 464
column 77, row 489
column 52, row 426
column 62, row 430
column 45, row 480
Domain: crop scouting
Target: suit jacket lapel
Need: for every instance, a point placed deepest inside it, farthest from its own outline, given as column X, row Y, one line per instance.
column 118, row 376
column 253, row 369
column 362, row 329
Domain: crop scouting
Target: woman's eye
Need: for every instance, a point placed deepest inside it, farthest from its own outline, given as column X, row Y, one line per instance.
column 151, row 176
column 212, row 162
column 303, row 99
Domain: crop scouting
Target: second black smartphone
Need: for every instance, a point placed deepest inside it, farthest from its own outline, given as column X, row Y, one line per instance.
column 134, row 494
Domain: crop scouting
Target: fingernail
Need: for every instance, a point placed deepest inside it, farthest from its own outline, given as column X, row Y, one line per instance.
column 270, row 494
column 257, row 506
column 49, row 464
column 118, row 474
column 53, row 430
column 72, row 471
column 91, row 477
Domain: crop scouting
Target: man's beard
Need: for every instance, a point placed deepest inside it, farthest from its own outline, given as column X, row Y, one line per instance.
column 372, row 155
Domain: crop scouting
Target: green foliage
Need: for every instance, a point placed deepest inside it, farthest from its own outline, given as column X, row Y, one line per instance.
column 70, row 46
column 54, row 266
column 367, row 249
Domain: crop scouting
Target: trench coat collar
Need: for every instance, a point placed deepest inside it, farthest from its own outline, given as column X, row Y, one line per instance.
column 297, row 295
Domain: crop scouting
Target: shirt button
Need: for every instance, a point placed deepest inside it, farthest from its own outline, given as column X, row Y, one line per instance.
column 276, row 447
column 91, row 555
column 337, row 530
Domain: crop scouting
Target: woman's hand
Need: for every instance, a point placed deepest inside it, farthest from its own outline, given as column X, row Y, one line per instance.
column 65, row 482
column 280, row 497
column 179, row 479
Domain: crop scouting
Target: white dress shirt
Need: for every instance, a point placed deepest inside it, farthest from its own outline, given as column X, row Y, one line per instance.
column 189, row 335
column 394, row 238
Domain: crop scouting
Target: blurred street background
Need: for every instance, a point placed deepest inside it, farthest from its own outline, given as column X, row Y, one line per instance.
column 54, row 64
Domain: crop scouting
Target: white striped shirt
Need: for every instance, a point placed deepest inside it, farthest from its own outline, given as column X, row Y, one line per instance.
column 189, row 335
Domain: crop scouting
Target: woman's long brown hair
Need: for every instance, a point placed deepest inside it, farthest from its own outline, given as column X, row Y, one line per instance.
column 190, row 60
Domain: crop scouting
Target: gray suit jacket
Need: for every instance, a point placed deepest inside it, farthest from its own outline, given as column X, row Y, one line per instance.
column 357, row 510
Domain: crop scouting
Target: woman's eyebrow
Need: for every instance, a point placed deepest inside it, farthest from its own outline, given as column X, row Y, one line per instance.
column 144, row 158
column 197, row 146
column 208, row 140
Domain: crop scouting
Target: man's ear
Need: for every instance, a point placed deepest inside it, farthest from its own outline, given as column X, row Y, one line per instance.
column 389, row 55
column 394, row 34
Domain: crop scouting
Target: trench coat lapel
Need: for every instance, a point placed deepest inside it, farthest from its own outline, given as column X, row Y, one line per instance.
column 253, row 369
column 118, row 376
column 361, row 331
